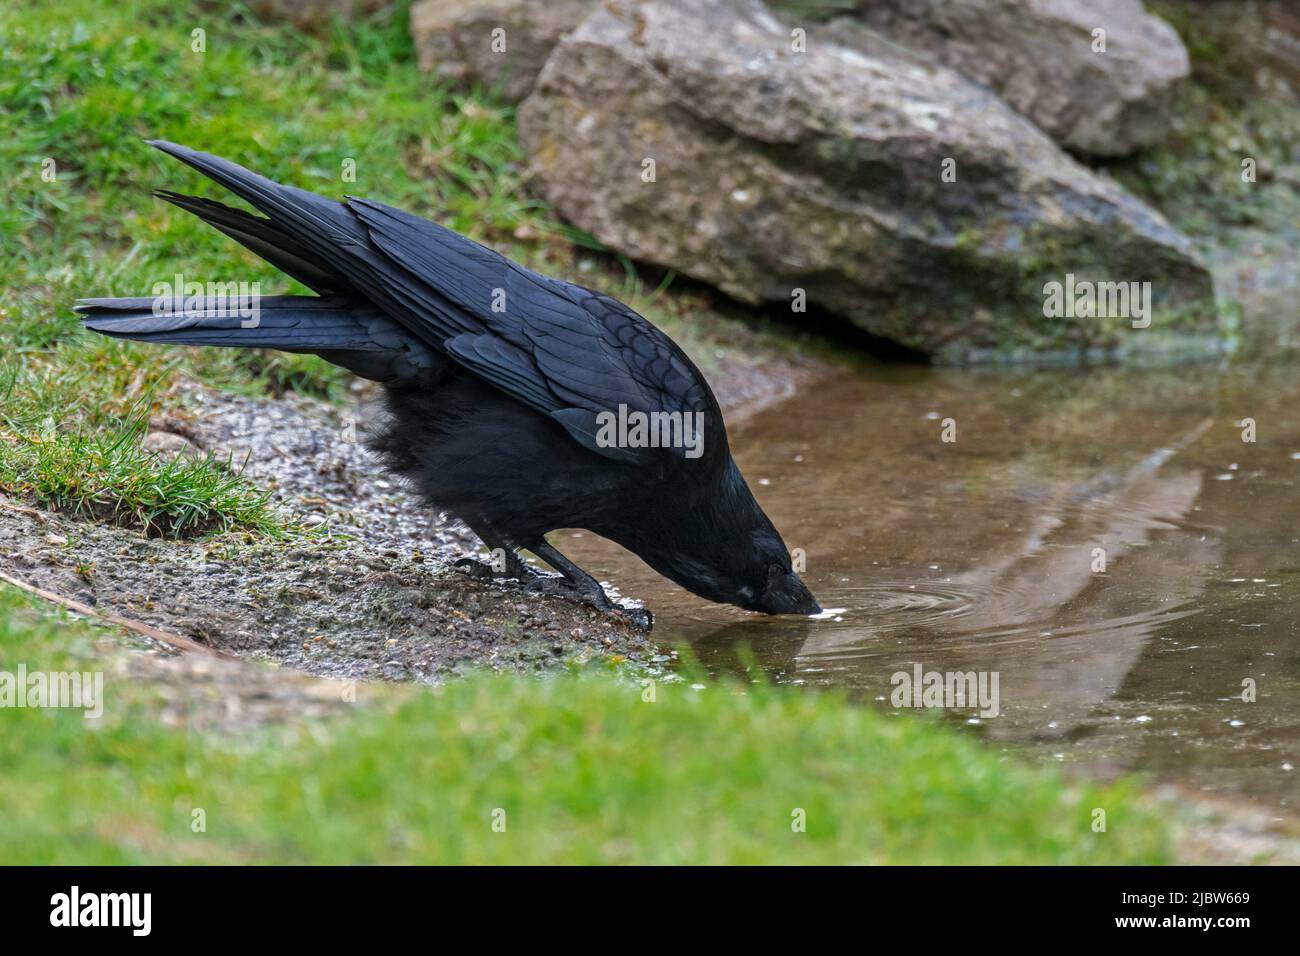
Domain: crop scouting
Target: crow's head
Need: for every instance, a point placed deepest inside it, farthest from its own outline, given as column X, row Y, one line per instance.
column 768, row 584
column 725, row 549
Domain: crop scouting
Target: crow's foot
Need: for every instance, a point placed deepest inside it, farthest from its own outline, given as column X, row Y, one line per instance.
column 577, row 585
column 487, row 571
column 555, row 585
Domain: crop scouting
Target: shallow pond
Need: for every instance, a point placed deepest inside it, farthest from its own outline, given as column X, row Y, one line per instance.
column 1106, row 542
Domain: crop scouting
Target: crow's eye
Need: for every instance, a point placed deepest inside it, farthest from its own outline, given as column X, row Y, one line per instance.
column 775, row 571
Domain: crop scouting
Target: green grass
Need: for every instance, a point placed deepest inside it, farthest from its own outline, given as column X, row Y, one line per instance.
column 70, row 440
column 106, row 475
column 585, row 770
column 84, row 84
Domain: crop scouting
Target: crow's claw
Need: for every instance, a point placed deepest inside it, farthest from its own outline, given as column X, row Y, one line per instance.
column 641, row 617
column 480, row 570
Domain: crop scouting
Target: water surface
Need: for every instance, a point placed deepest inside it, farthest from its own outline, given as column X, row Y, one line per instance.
column 981, row 554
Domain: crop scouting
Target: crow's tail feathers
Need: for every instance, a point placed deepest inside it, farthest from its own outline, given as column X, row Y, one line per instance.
column 264, row 238
column 346, row 331
column 340, row 326
column 291, row 212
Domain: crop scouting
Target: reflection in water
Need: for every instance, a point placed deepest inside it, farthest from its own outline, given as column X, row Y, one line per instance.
column 1104, row 540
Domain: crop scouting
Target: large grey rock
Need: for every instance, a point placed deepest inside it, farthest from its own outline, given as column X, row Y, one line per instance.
column 1039, row 56
column 455, row 39
column 777, row 171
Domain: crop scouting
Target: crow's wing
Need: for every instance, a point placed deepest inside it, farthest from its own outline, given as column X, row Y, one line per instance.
column 567, row 351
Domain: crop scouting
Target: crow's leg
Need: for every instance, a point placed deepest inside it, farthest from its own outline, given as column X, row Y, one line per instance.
column 572, row 582
column 586, row 588
column 515, row 566
column 583, row 584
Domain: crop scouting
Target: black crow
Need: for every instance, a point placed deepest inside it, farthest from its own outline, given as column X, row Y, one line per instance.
column 517, row 402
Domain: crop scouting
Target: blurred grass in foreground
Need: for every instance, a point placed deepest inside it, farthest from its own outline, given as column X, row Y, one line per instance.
column 584, row 769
